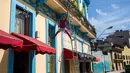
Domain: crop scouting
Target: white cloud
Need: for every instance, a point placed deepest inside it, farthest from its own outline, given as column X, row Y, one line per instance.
column 119, row 22
column 115, row 6
column 116, row 18
column 123, row 27
column 99, row 11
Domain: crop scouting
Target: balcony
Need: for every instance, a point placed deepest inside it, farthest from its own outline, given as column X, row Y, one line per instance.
column 73, row 8
column 52, row 8
column 64, row 6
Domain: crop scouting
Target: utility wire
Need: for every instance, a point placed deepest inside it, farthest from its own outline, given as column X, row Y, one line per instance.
column 125, row 2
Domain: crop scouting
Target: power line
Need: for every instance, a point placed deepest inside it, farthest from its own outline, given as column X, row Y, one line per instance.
column 110, row 4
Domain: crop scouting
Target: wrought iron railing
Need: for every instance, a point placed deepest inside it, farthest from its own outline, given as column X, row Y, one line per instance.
column 73, row 8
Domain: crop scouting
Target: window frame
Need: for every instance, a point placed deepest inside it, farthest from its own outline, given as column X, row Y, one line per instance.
column 32, row 59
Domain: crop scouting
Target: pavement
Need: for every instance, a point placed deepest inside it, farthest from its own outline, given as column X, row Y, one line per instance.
column 116, row 71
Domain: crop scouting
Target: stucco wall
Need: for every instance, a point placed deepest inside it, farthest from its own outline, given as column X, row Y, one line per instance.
column 4, row 25
column 41, row 59
column 67, row 43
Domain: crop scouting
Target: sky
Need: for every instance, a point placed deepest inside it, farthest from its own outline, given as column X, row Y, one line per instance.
column 105, row 13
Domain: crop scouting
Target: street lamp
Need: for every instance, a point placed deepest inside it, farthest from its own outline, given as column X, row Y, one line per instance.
column 104, row 31
column 94, row 43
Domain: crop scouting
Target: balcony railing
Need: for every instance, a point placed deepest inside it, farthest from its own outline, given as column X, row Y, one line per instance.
column 73, row 8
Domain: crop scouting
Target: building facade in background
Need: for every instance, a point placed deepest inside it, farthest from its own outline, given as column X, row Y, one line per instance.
column 119, row 40
column 102, row 51
column 105, row 63
column 117, row 58
column 122, row 35
column 126, row 56
column 39, row 19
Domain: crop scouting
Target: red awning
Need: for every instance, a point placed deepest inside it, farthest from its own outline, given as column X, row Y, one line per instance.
column 34, row 44
column 9, row 41
column 68, row 54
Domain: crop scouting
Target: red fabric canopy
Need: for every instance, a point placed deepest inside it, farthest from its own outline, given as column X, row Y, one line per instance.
column 34, row 44
column 68, row 54
column 9, row 41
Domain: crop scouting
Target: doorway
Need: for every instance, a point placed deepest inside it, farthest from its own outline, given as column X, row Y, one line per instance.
column 85, row 67
column 67, row 66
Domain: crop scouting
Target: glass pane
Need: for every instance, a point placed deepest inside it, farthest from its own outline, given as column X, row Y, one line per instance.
column 20, row 20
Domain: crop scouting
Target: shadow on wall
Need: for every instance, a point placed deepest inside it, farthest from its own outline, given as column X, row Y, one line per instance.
column 3, row 61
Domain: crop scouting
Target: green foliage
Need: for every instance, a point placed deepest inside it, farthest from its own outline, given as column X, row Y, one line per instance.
column 76, row 3
column 83, row 10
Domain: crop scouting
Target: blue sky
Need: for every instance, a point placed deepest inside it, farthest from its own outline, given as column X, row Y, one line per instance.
column 105, row 13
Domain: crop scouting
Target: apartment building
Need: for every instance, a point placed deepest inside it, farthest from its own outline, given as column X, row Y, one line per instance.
column 39, row 20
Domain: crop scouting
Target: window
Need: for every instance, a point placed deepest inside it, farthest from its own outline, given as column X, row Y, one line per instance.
column 126, row 57
column 52, row 58
column 67, row 66
column 22, row 21
column 80, row 46
column 115, row 55
column 123, row 57
column 22, row 26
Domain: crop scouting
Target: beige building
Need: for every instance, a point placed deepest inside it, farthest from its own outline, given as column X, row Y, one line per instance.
column 117, row 60
column 126, row 56
column 39, row 19
column 120, row 58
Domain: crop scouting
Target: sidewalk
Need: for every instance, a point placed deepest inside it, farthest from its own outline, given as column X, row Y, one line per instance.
column 116, row 71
